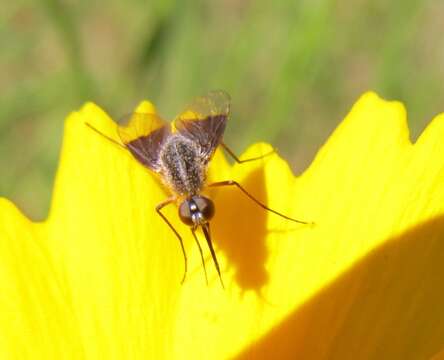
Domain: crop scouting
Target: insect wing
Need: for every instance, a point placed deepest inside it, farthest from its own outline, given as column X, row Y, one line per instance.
column 204, row 121
column 144, row 134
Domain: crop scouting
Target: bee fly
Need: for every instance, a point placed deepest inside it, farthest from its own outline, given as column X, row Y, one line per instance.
column 179, row 153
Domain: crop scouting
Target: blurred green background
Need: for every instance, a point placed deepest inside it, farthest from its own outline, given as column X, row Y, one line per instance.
column 293, row 69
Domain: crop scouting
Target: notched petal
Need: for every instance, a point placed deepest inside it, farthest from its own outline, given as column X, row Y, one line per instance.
column 101, row 276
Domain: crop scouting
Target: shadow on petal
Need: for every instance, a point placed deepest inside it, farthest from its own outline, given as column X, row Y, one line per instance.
column 389, row 305
column 240, row 230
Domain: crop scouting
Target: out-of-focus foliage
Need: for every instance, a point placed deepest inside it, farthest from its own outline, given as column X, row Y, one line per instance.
column 292, row 69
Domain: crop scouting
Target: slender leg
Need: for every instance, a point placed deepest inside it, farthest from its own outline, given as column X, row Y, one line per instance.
column 158, row 208
column 105, row 136
column 206, row 231
column 193, row 230
column 233, row 155
column 234, row 183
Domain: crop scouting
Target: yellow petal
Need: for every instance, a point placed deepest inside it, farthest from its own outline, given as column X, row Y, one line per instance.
column 101, row 278
column 111, row 248
column 36, row 321
column 367, row 190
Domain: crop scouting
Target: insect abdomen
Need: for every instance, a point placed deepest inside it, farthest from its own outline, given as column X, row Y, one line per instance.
column 182, row 166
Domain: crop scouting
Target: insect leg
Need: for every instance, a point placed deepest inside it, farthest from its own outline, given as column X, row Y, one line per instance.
column 234, row 183
column 233, row 155
column 201, row 253
column 206, row 231
column 158, row 208
column 105, row 136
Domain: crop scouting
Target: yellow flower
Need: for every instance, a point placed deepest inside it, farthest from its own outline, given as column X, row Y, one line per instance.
column 100, row 279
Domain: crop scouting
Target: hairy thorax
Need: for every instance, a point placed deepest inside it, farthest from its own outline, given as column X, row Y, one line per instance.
column 182, row 166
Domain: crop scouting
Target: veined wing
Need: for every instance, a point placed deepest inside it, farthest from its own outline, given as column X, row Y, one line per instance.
column 144, row 134
column 204, row 121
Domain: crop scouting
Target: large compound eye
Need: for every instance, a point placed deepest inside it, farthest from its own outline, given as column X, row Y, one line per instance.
column 185, row 212
column 205, row 206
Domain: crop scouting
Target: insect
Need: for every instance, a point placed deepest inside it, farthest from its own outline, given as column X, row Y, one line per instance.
column 179, row 152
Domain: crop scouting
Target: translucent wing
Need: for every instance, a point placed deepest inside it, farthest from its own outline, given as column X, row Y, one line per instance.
column 204, row 121
column 144, row 134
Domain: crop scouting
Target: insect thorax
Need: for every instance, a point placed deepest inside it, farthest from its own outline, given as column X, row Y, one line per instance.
column 182, row 166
